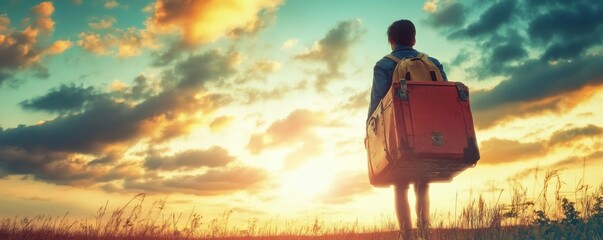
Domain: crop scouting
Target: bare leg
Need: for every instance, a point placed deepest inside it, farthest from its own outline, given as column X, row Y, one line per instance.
column 403, row 209
column 422, row 207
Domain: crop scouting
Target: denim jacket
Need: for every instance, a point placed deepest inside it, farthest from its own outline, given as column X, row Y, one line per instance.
column 384, row 69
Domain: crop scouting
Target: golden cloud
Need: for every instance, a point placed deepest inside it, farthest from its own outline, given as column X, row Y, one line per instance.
column 498, row 151
column 120, row 43
column 430, row 5
column 220, row 123
column 20, row 49
column 58, row 47
column 267, row 66
column 42, row 13
column 557, row 104
column 205, row 21
column 294, row 129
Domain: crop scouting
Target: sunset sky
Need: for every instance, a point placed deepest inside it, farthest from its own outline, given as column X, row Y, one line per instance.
column 259, row 106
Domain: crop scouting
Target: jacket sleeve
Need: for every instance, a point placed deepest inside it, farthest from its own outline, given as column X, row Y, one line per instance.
column 441, row 67
column 381, row 84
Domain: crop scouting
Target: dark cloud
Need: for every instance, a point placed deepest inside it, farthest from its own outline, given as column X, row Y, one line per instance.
column 196, row 70
column 536, row 80
column 173, row 52
column 449, row 16
column 569, row 135
column 87, row 147
column 213, row 182
column 489, row 21
column 67, row 98
column 333, row 50
column 187, row 160
column 540, row 50
column 568, row 31
column 345, row 187
column 62, row 168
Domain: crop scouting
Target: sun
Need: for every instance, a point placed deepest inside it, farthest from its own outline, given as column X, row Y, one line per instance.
column 306, row 181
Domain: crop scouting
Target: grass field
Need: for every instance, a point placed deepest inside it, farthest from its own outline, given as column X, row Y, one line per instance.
column 549, row 216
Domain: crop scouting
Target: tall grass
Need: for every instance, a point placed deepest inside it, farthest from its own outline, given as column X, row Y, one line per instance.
column 549, row 215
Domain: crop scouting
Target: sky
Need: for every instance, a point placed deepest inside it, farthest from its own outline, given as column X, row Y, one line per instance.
column 259, row 106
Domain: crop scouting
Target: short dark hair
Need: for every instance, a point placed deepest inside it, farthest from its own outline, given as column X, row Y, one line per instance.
column 402, row 32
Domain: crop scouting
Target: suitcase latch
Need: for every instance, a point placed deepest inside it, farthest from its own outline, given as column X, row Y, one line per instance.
column 403, row 92
column 437, row 139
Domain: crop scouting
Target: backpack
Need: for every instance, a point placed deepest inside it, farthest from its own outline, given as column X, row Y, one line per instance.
column 418, row 68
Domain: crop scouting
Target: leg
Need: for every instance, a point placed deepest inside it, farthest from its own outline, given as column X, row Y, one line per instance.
column 403, row 209
column 422, row 206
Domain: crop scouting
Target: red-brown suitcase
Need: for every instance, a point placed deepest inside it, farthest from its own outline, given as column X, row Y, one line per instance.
column 421, row 131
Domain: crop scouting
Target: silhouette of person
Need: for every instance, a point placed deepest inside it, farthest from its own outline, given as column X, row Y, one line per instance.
column 401, row 37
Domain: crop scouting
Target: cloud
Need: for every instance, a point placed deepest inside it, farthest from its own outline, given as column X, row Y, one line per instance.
column 62, row 168
column 289, row 131
column 220, row 123
column 86, row 145
column 109, row 4
column 21, row 49
column 4, row 22
column 499, row 151
column 449, row 16
column 566, row 136
column 192, row 159
column 58, row 47
column 540, row 51
column 41, row 17
column 345, row 187
column 489, row 21
column 266, row 66
column 257, row 95
column 289, row 43
column 577, row 27
column 213, row 182
column 67, row 98
column 103, row 23
column 430, row 5
column 570, row 162
column 206, row 21
column 121, row 43
column 539, row 87
column 358, row 101
column 332, row 50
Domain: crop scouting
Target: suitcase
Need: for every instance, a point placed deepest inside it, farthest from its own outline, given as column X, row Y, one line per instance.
column 421, row 131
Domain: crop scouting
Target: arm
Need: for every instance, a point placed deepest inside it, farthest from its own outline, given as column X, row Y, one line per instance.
column 439, row 65
column 381, row 84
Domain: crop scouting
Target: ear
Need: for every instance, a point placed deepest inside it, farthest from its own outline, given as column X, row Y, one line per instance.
column 414, row 41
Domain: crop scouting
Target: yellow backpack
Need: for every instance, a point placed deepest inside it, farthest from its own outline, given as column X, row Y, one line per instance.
column 418, row 68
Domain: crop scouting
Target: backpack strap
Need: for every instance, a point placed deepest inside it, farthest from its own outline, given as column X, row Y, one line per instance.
column 393, row 58
column 426, row 60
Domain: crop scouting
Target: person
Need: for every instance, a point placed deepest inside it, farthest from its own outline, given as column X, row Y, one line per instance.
column 401, row 37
